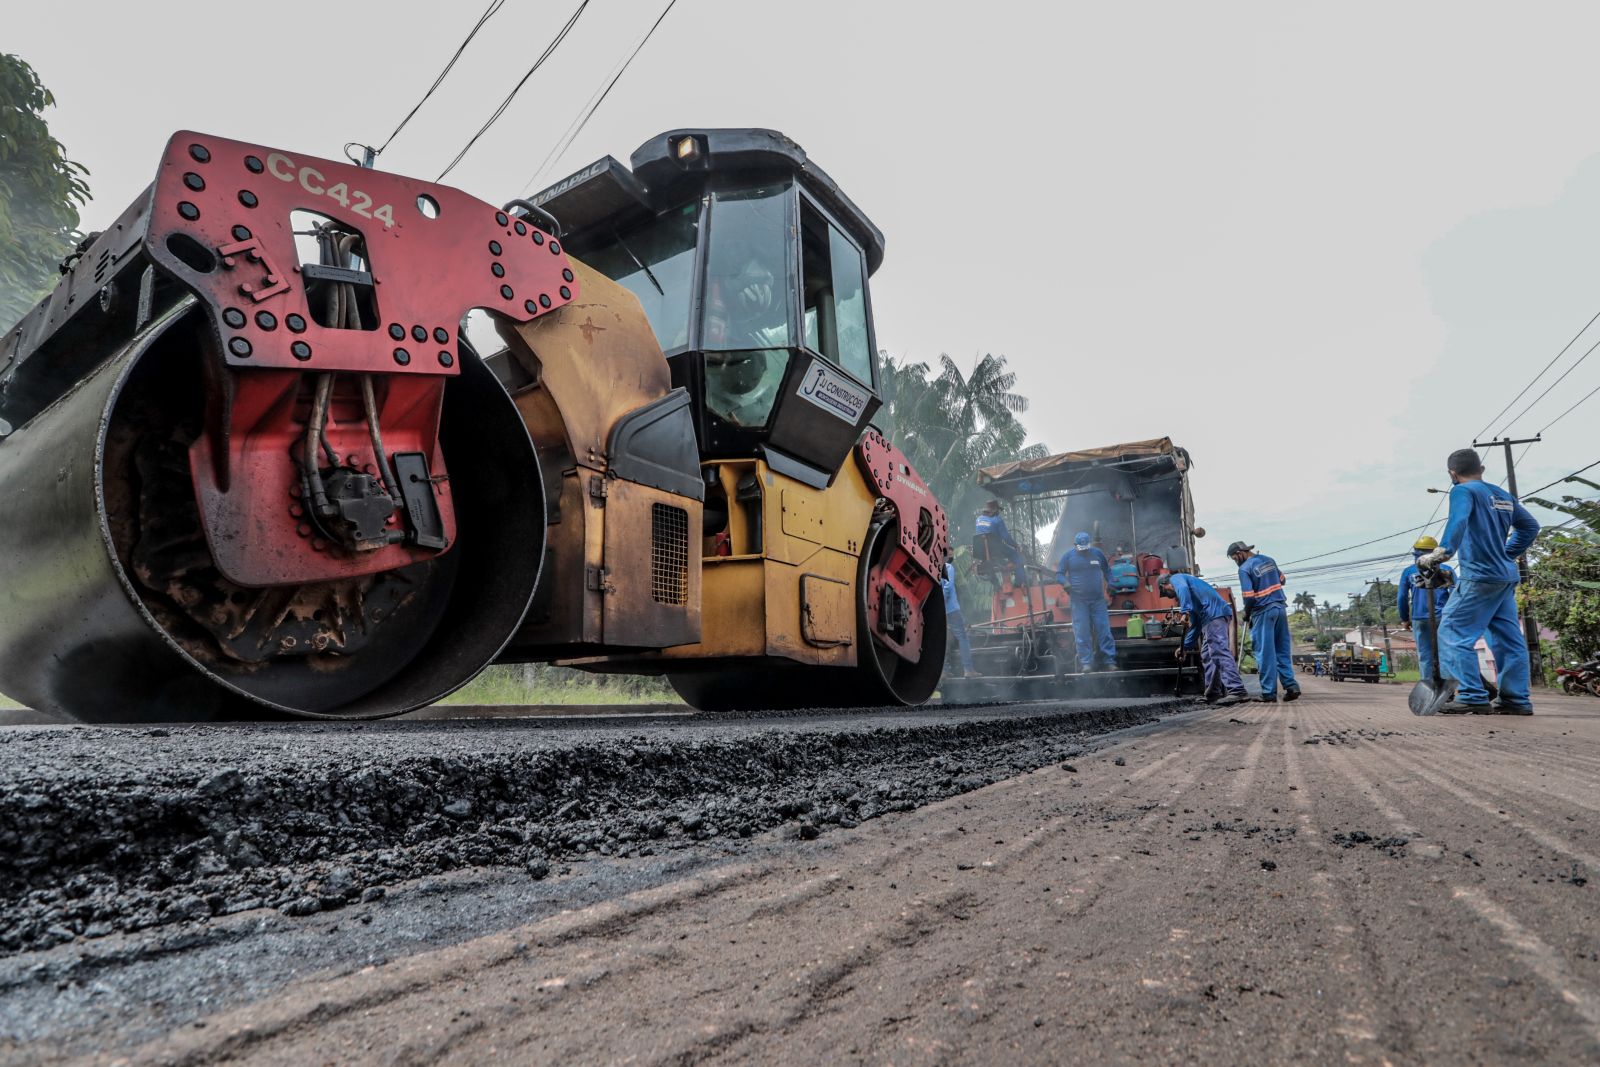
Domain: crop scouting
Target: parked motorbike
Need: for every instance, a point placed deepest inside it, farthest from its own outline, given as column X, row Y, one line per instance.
column 1581, row 678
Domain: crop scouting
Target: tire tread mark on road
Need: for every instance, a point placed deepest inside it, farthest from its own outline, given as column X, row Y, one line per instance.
column 1466, row 794
column 1538, row 957
column 1361, row 1014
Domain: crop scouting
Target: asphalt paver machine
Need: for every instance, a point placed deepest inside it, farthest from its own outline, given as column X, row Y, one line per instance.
column 1133, row 500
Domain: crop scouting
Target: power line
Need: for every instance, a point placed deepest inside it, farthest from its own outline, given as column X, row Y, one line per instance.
column 1561, row 479
column 1536, row 377
column 506, row 103
column 1363, row 544
column 577, row 128
column 488, row 13
column 1575, row 364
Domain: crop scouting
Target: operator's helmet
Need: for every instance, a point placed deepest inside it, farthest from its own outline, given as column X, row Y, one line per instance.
column 1425, row 543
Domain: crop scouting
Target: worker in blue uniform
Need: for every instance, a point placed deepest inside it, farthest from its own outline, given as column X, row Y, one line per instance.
column 1413, row 600
column 1209, row 619
column 955, row 622
column 1487, row 531
column 998, row 540
column 1086, row 574
column 1266, row 611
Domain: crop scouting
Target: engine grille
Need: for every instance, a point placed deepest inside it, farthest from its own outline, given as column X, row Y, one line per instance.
column 669, row 554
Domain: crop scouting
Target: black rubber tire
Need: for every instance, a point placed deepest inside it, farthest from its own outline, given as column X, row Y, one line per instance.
column 879, row 679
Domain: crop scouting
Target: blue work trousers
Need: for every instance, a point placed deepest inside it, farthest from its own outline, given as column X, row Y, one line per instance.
column 956, row 623
column 1269, row 635
column 1019, row 577
column 1091, row 629
column 1487, row 610
column 1425, row 649
column 1216, row 658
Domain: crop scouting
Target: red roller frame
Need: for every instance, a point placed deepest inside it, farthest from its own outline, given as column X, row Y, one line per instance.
column 910, row 567
column 434, row 253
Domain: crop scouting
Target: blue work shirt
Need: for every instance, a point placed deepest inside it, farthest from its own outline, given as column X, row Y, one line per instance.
column 1199, row 600
column 994, row 526
column 1487, row 531
column 1414, row 599
column 1087, row 574
column 951, row 604
column 1261, row 583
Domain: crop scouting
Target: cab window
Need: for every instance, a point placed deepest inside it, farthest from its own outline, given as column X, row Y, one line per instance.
column 655, row 262
column 835, row 295
column 748, row 280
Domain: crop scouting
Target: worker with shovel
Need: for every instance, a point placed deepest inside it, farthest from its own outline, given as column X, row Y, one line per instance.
column 1488, row 530
column 1414, row 598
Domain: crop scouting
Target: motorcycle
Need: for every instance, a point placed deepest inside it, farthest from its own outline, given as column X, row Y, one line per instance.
column 1581, row 678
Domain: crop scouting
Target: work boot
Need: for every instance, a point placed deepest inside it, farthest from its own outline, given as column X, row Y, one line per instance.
column 1238, row 696
column 1456, row 707
column 1502, row 708
column 1268, row 698
column 1291, row 694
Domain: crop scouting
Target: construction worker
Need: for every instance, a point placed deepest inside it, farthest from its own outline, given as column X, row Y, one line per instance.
column 1266, row 613
column 1488, row 530
column 1208, row 618
column 997, row 540
column 1086, row 574
column 955, row 622
column 1414, row 598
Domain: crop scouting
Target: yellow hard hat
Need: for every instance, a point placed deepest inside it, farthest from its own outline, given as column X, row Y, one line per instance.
column 1425, row 543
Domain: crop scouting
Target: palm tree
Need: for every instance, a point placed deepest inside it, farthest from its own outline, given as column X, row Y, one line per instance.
column 1308, row 604
column 950, row 424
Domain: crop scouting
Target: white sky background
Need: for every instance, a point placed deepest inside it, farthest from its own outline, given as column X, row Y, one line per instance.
column 1319, row 246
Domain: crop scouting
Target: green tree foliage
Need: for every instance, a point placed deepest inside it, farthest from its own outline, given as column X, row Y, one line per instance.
column 950, row 424
column 40, row 193
column 1563, row 590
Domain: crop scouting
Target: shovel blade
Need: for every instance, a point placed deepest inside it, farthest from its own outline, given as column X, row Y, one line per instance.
column 1428, row 696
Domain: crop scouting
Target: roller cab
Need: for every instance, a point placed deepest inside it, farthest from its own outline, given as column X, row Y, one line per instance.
column 816, row 546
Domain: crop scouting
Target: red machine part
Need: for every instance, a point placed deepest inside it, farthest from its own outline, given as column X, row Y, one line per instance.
column 909, row 568
column 220, row 221
column 434, row 253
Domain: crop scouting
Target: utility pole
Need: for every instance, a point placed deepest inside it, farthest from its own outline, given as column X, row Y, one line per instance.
column 1530, row 629
column 1361, row 617
column 1388, row 650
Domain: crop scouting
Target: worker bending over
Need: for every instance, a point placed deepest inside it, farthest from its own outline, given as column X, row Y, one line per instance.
column 1266, row 613
column 1086, row 573
column 1209, row 618
column 997, row 540
column 1414, row 603
column 1488, row 530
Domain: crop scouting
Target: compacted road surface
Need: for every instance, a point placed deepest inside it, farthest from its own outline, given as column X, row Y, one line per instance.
column 1331, row 880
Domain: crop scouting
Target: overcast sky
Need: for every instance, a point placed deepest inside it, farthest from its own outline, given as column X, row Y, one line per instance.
column 1319, row 246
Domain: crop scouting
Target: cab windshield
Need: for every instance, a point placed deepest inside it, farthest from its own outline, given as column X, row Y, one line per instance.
column 655, row 262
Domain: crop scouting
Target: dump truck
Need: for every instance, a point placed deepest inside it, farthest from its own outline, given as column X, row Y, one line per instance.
column 1351, row 661
column 256, row 467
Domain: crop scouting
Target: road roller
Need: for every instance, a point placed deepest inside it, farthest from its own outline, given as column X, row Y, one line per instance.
column 256, row 466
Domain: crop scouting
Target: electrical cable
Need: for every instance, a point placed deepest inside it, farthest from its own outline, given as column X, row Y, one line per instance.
column 560, row 36
column 488, row 13
column 1536, row 377
column 1561, row 479
column 1505, row 430
column 1363, row 544
column 566, row 142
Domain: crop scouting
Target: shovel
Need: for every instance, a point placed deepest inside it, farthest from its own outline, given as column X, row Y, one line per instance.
column 1432, row 691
